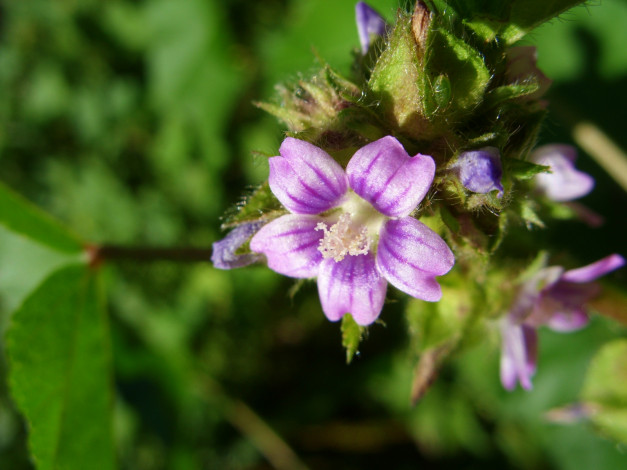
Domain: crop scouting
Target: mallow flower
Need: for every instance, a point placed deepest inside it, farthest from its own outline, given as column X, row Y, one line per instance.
column 565, row 182
column 555, row 298
column 369, row 23
column 480, row 170
column 352, row 229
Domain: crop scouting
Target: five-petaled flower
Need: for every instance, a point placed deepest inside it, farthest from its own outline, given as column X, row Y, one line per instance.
column 352, row 229
column 555, row 298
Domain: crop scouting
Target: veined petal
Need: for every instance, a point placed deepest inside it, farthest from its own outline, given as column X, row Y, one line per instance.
column 291, row 245
column 565, row 182
column 224, row 256
column 518, row 354
column 305, row 178
column 410, row 255
column 594, row 270
column 353, row 286
column 384, row 174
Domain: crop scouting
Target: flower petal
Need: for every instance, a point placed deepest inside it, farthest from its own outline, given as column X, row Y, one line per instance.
column 384, row 174
column 595, row 270
column 565, row 182
column 291, row 245
column 369, row 23
column 353, row 286
column 565, row 322
column 480, row 170
column 305, row 178
column 518, row 354
column 410, row 255
column 223, row 255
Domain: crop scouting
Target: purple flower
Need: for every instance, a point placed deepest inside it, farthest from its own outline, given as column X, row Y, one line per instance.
column 369, row 23
column 480, row 170
column 555, row 298
column 224, row 251
column 352, row 229
column 565, row 182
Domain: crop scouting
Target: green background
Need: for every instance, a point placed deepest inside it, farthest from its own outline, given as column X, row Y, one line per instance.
column 132, row 122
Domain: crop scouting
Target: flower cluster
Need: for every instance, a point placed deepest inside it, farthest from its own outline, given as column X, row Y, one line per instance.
column 555, row 298
column 355, row 227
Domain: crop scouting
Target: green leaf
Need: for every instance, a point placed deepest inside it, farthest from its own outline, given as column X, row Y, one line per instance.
column 352, row 334
column 605, row 390
column 60, row 372
column 20, row 216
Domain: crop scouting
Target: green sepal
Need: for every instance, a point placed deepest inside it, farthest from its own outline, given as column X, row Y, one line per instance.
column 261, row 204
column 313, row 103
column 463, row 66
column 498, row 95
column 524, row 170
column 352, row 334
column 527, row 210
column 397, row 82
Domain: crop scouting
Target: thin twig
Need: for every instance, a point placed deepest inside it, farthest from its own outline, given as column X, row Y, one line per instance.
column 100, row 254
column 276, row 451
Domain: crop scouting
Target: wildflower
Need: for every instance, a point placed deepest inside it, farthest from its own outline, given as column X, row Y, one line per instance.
column 555, row 298
column 565, row 182
column 369, row 23
column 224, row 254
column 480, row 170
column 352, row 229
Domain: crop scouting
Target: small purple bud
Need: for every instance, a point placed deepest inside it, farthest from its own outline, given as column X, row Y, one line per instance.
column 565, row 182
column 480, row 170
column 369, row 23
column 224, row 256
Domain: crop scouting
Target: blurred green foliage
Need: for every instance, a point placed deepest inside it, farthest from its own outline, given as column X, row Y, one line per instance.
column 131, row 121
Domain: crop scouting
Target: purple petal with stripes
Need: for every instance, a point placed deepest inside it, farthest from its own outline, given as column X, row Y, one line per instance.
column 565, row 182
column 410, row 255
column 353, row 286
column 594, row 270
column 369, row 23
column 305, row 178
column 290, row 244
column 384, row 174
column 224, row 256
column 518, row 354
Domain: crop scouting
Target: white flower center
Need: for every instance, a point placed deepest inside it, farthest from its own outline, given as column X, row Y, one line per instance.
column 356, row 232
column 343, row 238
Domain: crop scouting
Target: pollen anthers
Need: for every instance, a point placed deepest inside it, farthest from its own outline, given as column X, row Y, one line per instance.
column 343, row 238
